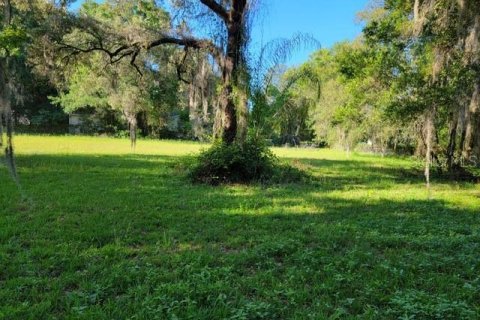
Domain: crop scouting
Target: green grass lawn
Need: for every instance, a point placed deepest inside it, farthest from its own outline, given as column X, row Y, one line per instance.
column 102, row 233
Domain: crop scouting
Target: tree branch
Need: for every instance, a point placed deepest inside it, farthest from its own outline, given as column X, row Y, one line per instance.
column 114, row 56
column 132, row 61
column 217, row 8
column 193, row 43
column 133, row 50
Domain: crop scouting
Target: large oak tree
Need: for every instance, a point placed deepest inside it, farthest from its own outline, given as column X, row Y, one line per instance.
column 226, row 44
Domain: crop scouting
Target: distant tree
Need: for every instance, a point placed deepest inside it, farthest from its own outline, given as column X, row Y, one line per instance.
column 280, row 109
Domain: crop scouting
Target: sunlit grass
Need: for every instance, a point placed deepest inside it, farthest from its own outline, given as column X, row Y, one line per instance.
column 101, row 232
column 101, row 146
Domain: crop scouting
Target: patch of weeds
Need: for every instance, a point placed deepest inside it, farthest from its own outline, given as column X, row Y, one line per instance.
column 413, row 304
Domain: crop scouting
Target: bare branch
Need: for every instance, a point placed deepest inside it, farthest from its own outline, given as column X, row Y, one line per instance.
column 217, row 8
column 115, row 56
column 134, row 49
column 193, row 43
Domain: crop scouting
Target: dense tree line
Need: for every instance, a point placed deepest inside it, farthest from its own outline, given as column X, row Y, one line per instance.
column 409, row 84
column 55, row 79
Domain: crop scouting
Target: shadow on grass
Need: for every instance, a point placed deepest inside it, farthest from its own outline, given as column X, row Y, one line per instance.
column 327, row 174
column 117, row 237
column 104, row 198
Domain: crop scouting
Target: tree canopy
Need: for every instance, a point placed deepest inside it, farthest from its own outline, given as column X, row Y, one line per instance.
column 409, row 84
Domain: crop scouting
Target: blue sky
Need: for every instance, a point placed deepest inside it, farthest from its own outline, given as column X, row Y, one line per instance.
column 328, row 21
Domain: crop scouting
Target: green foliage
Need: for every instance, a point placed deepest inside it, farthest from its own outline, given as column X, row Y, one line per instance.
column 235, row 163
column 262, row 118
column 86, row 88
column 281, row 111
column 421, row 305
column 145, row 93
column 125, row 16
column 49, row 120
column 377, row 89
column 350, row 109
column 12, row 40
column 245, row 163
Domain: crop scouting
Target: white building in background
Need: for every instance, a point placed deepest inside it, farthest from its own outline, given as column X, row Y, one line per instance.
column 83, row 122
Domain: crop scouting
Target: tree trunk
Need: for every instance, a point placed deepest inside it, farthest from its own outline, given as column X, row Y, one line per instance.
column 229, row 118
column 428, row 140
column 132, row 127
column 6, row 98
column 7, row 116
column 452, row 144
column 471, row 143
column 232, row 99
column 1, row 129
column 227, row 100
column 475, row 145
column 7, row 12
column 462, row 129
column 9, row 148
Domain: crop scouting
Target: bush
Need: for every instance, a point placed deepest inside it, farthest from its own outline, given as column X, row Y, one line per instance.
column 242, row 163
column 234, row 163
